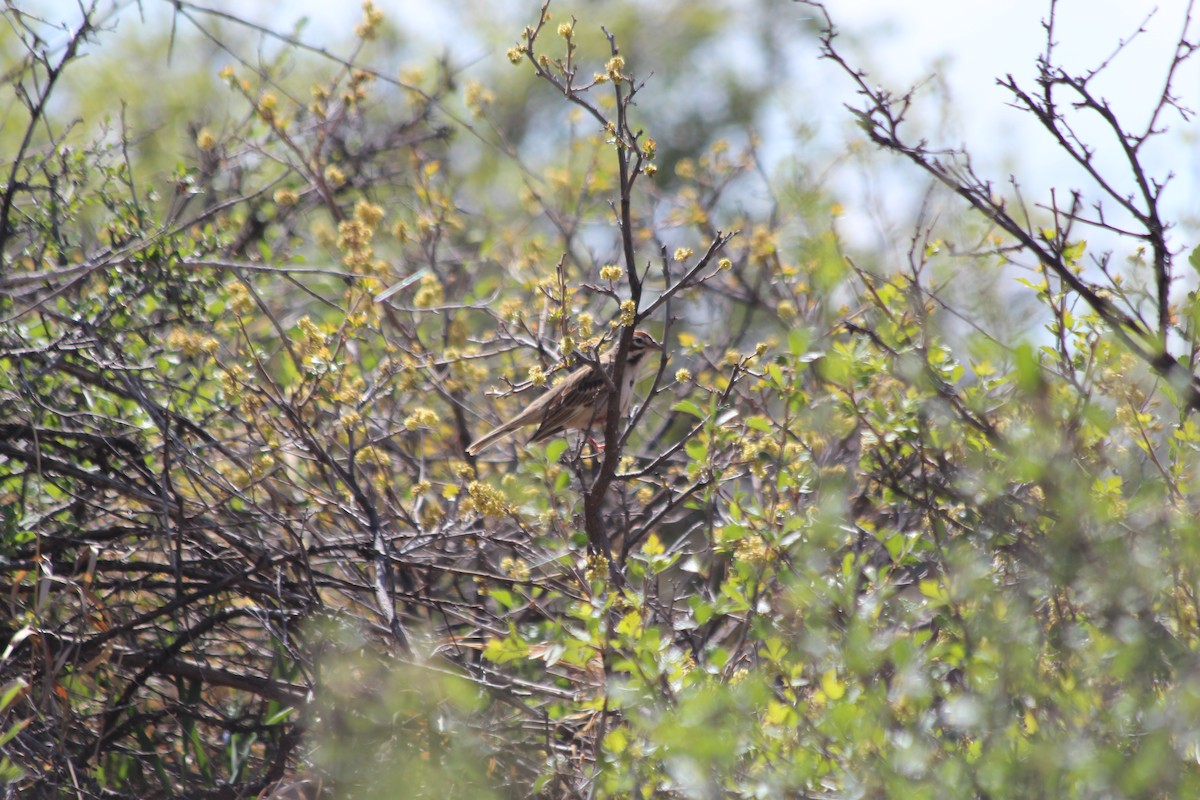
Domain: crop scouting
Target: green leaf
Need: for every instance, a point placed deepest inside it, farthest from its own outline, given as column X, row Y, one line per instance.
column 1029, row 372
column 759, row 423
column 833, row 688
column 798, row 341
column 555, row 450
column 688, row 407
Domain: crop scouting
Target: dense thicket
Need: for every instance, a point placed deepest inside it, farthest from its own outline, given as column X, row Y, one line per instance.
column 874, row 527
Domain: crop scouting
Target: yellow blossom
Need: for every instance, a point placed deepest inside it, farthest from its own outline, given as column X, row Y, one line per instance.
column 614, row 66
column 334, row 176
column 353, row 234
column 565, row 30
column 239, row 297
column 515, row 55
column 586, row 321
column 205, row 140
column 683, row 254
column 191, row 344
column 420, row 418
column 267, row 105
column 610, row 273
column 628, row 313
column 477, row 97
column 515, row 568
column 370, row 21
column 683, row 375
column 725, row 264
column 752, row 549
column 537, row 376
column 368, row 213
column 286, row 197
column 429, row 293
column 231, row 383
column 487, row 500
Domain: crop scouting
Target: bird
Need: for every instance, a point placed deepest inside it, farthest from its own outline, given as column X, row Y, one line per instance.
column 579, row 402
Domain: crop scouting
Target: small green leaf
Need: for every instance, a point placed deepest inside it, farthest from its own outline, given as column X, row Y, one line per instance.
column 798, row 341
column 831, row 686
column 555, row 450
column 688, row 407
column 759, row 423
column 1029, row 372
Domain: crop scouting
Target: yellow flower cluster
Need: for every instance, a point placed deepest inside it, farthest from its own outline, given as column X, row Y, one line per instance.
column 372, row 17
column 762, row 242
column 586, row 322
column 596, row 569
column 628, row 313
column 516, row 568
column 430, row 292
column 312, row 338
column 354, row 235
column 420, row 418
column 683, row 254
column 239, row 297
column 487, row 500
column 477, row 97
column 752, row 549
column 368, row 213
column 191, row 344
column 351, row 391
column 267, row 105
column 610, row 273
column 231, row 383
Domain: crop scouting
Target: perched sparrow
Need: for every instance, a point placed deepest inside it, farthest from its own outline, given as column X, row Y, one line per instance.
column 579, row 402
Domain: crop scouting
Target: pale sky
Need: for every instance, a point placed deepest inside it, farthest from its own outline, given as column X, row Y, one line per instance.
column 968, row 43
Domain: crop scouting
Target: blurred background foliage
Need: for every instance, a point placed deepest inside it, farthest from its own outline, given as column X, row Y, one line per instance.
column 903, row 515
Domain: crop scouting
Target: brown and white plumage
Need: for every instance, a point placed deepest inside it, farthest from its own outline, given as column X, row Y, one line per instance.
column 579, row 402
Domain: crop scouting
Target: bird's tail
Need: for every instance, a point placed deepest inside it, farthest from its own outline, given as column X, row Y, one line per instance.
column 490, row 438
